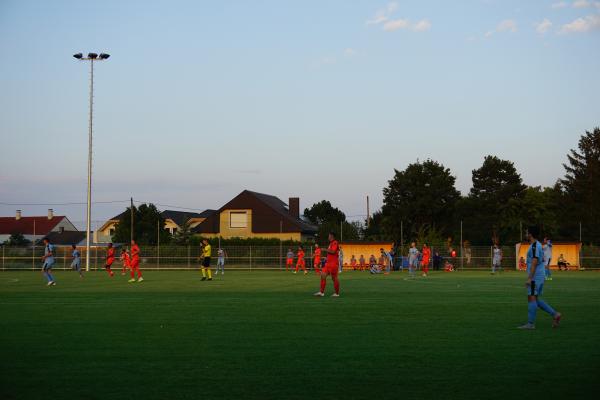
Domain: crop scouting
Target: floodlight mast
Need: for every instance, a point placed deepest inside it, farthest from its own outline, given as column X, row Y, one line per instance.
column 91, row 57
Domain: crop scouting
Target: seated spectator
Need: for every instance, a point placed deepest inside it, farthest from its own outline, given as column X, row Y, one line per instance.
column 372, row 260
column 522, row 264
column 448, row 267
column 353, row 262
column 362, row 263
column 562, row 263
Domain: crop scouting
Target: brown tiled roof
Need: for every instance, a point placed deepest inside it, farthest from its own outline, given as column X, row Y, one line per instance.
column 24, row 225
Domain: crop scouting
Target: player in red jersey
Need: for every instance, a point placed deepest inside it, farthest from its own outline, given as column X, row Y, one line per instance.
column 301, row 262
column 135, row 263
column 425, row 259
column 110, row 259
column 331, row 267
column 317, row 259
column 125, row 260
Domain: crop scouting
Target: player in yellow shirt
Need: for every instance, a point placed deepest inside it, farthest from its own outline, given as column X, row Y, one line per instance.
column 206, row 250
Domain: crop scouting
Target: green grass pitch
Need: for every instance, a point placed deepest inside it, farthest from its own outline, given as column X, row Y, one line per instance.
column 262, row 335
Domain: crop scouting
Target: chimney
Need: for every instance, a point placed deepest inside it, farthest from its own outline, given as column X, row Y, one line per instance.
column 50, row 213
column 294, row 207
column 18, row 215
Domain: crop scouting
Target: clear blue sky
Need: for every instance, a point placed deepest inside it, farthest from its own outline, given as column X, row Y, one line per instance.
column 317, row 99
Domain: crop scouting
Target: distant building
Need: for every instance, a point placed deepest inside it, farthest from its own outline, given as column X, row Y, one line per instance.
column 257, row 215
column 174, row 220
column 34, row 228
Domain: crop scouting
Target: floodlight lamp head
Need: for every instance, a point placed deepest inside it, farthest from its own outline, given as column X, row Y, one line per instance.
column 93, row 56
column 104, row 56
column 78, row 56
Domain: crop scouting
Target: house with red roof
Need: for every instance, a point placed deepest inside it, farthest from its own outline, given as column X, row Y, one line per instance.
column 34, row 228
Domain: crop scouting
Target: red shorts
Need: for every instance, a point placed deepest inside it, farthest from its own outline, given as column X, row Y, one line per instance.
column 134, row 263
column 290, row 261
column 317, row 261
column 331, row 270
column 109, row 261
column 301, row 262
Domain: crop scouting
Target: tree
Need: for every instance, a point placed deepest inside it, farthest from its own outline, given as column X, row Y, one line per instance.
column 423, row 196
column 148, row 225
column 17, row 239
column 581, row 187
column 184, row 233
column 494, row 206
column 322, row 212
column 331, row 219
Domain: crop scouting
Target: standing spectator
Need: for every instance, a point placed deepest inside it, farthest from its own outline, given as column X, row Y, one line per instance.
column 437, row 261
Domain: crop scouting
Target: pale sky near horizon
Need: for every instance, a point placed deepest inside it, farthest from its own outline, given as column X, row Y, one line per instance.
column 316, row 99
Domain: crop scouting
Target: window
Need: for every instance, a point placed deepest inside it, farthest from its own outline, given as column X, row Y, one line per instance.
column 111, row 231
column 238, row 219
column 173, row 231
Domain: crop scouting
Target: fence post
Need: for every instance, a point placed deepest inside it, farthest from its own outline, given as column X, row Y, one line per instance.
column 65, row 259
column 96, row 258
column 250, row 253
column 188, row 256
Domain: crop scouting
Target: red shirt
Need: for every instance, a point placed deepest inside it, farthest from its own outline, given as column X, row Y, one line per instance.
column 110, row 253
column 135, row 251
column 318, row 253
column 426, row 254
column 300, row 254
column 333, row 259
column 125, row 258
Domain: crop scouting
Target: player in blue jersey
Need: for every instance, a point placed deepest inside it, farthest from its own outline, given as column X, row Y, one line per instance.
column 48, row 261
column 535, row 281
column 413, row 259
column 76, row 263
column 547, row 246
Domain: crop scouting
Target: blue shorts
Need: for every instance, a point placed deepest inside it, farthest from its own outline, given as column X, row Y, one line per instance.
column 48, row 264
column 76, row 265
column 535, row 289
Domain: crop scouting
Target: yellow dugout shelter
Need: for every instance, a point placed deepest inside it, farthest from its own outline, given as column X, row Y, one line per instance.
column 569, row 250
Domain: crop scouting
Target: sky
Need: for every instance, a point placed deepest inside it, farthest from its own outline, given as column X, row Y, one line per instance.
column 316, row 99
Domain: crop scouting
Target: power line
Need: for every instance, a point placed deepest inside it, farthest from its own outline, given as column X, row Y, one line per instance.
column 62, row 204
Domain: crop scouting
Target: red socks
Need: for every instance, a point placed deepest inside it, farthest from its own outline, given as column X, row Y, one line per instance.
column 323, row 283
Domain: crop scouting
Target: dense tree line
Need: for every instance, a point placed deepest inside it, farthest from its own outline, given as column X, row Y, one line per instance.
column 422, row 202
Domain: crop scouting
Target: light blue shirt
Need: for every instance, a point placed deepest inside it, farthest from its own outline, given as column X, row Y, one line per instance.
column 547, row 253
column 76, row 255
column 535, row 251
column 47, row 251
column 413, row 254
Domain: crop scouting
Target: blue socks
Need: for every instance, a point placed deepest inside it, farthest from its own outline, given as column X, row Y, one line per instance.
column 532, row 307
column 531, row 311
column 544, row 306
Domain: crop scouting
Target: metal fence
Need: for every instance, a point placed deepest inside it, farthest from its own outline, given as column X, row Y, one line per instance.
column 170, row 257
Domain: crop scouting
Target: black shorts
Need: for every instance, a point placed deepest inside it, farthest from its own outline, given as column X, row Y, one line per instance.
column 206, row 262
